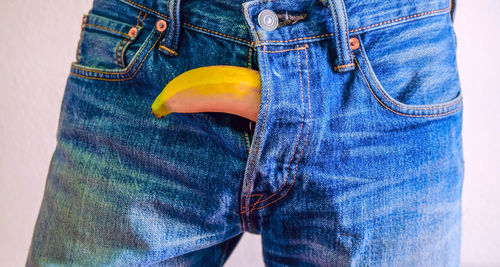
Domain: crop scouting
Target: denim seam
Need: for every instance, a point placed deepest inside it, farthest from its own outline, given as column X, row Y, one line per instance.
column 303, row 146
column 149, row 9
column 106, row 29
column 117, row 53
column 372, row 75
column 89, row 69
column 295, row 39
column 343, row 66
column 249, row 56
column 168, row 49
column 390, row 109
column 245, row 136
column 337, row 35
column 214, row 32
column 138, row 16
column 119, row 79
column 305, row 46
column 385, row 23
column 260, row 200
column 347, row 35
column 120, row 50
column 400, row 19
column 252, row 170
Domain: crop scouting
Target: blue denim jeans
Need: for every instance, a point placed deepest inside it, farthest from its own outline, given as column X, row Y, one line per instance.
column 355, row 158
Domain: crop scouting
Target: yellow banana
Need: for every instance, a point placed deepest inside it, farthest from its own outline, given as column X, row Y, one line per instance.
column 219, row 88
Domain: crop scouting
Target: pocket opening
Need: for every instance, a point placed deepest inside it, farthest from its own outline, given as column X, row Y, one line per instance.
column 414, row 90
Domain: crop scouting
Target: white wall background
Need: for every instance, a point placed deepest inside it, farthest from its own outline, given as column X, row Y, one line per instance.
column 38, row 43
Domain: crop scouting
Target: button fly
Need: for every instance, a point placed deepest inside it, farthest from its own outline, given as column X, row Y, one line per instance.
column 268, row 20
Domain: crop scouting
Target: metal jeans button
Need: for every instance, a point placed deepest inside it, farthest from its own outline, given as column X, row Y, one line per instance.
column 268, row 20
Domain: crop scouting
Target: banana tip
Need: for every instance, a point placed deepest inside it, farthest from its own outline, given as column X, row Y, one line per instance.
column 156, row 115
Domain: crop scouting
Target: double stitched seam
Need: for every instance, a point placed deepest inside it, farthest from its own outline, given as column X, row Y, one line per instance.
column 396, row 104
column 305, row 139
column 260, row 137
column 346, row 30
column 104, row 28
column 122, row 79
column 117, row 72
column 245, row 135
column 343, row 66
column 149, row 9
column 142, row 26
column 120, row 50
column 258, row 42
column 249, row 58
column 117, row 52
column 399, row 113
column 168, row 49
column 249, row 65
column 400, row 19
column 338, row 35
column 296, row 39
column 174, row 28
column 138, row 17
column 260, row 200
column 286, row 50
column 214, row 32
column 252, row 168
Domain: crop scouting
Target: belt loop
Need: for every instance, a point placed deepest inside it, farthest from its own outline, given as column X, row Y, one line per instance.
column 170, row 42
column 344, row 61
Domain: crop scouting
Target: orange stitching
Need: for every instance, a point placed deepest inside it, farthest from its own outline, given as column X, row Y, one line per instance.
column 396, row 104
column 343, row 66
column 298, row 136
column 286, row 50
column 399, row 19
column 251, row 206
column 123, row 52
column 296, row 39
column 117, row 61
column 263, row 122
column 143, row 18
column 346, row 34
column 403, row 114
column 119, row 56
column 156, row 12
column 249, row 65
column 218, row 33
column 168, row 49
column 294, row 150
column 123, row 79
column 138, row 16
column 305, row 139
column 246, row 141
column 108, row 72
column 107, row 29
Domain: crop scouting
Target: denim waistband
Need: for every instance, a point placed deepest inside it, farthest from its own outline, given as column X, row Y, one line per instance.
column 229, row 19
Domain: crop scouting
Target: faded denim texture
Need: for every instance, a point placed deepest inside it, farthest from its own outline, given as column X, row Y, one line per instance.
column 355, row 158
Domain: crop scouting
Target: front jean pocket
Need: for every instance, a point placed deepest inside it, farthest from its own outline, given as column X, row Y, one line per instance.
column 410, row 68
column 113, row 50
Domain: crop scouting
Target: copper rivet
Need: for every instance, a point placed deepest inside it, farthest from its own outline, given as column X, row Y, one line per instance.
column 161, row 25
column 354, row 43
column 132, row 32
